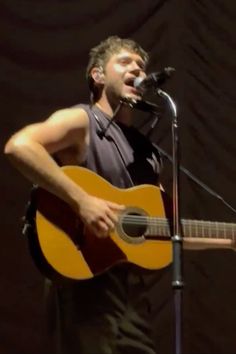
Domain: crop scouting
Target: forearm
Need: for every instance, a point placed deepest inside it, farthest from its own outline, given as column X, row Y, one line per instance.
column 34, row 162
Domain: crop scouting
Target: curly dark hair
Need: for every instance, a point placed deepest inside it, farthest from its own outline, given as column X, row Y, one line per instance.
column 99, row 56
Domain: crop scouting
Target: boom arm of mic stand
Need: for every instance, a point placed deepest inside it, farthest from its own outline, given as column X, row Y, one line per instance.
column 177, row 281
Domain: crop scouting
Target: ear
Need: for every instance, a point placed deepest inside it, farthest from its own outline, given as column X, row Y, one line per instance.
column 97, row 75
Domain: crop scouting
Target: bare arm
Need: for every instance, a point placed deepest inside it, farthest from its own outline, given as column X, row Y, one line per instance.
column 30, row 151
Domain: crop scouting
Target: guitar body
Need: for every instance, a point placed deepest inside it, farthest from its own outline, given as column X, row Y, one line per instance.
column 71, row 251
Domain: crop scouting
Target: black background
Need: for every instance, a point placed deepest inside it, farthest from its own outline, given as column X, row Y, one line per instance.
column 44, row 53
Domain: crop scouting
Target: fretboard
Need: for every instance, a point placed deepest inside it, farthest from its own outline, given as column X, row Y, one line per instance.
column 193, row 228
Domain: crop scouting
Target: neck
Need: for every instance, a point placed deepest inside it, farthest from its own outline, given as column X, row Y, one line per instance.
column 124, row 115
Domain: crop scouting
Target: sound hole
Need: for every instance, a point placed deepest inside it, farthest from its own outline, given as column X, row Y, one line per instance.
column 134, row 225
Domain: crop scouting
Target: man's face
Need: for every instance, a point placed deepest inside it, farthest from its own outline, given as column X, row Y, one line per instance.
column 120, row 71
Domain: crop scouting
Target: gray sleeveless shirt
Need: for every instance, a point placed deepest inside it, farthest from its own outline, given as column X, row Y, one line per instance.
column 124, row 156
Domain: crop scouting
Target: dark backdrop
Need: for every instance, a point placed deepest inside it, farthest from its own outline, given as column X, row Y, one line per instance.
column 44, row 51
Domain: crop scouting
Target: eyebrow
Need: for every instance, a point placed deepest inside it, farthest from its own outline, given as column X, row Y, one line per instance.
column 140, row 61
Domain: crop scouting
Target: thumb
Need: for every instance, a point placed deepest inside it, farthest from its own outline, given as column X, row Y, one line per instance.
column 115, row 206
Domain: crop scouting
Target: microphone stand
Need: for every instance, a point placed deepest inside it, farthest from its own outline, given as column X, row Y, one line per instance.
column 177, row 241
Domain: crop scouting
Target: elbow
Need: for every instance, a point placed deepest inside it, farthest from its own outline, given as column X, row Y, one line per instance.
column 13, row 146
column 9, row 147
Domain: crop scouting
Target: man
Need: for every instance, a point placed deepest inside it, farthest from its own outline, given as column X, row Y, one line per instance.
column 110, row 313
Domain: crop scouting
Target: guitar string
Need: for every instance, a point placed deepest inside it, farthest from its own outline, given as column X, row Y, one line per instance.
column 211, row 232
column 157, row 220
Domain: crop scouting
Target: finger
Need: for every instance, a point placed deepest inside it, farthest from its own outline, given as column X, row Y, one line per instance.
column 102, row 230
column 113, row 217
column 115, row 206
column 109, row 221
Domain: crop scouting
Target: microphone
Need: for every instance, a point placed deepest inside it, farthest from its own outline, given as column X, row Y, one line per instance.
column 153, row 80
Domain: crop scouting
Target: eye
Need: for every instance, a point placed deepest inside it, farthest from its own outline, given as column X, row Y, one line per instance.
column 141, row 65
column 125, row 61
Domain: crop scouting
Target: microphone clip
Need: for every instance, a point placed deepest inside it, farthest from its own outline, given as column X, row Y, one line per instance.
column 141, row 105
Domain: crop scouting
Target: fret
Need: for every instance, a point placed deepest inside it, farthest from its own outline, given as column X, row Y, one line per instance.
column 233, row 231
column 207, row 229
column 184, row 228
column 211, row 227
column 190, row 232
column 224, row 228
column 217, row 229
column 203, row 229
column 196, row 228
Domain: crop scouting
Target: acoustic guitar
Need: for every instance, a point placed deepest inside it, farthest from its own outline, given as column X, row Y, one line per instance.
column 142, row 235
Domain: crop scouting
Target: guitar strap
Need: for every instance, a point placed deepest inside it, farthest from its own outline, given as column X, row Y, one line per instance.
column 28, row 219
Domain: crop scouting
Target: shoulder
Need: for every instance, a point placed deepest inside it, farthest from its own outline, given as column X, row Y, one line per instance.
column 64, row 128
column 75, row 116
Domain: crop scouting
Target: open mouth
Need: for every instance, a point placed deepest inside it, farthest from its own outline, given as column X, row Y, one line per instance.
column 129, row 82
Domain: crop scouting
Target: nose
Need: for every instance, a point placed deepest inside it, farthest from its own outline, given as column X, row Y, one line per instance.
column 135, row 68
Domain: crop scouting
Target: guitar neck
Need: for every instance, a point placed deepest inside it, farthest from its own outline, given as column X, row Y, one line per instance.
column 193, row 229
